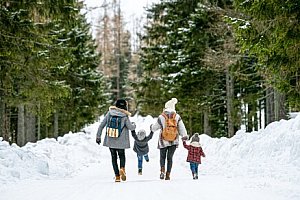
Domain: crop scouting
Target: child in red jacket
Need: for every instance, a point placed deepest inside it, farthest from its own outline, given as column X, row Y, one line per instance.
column 194, row 154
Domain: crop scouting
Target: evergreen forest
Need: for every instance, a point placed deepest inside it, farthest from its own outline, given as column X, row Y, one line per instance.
column 231, row 64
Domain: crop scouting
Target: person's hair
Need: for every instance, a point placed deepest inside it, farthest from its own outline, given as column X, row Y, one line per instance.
column 122, row 103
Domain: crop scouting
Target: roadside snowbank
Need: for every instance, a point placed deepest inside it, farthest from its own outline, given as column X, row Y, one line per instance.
column 272, row 152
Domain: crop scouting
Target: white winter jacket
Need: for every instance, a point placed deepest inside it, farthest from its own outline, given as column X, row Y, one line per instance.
column 160, row 124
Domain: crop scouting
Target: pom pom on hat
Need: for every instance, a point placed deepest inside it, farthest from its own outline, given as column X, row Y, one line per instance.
column 170, row 105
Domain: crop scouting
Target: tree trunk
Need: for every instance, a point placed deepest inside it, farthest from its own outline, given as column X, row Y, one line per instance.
column 270, row 116
column 30, row 126
column 39, row 123
column 117, row 45
column 55, row 135
column 190, row 123
column 2, row 116
column 260, row 115
column 207, row 127
column 249, row 126
column 255, row 117
column 279, row 103
column 21, row 137
column 46, row 131
column 229, row 96
column 4, row 122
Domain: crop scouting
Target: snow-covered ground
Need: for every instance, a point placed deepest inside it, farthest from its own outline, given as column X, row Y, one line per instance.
column 259, row 165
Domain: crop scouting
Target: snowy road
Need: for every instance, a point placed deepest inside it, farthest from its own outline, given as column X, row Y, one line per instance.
column 250, row 166
column 96, row 182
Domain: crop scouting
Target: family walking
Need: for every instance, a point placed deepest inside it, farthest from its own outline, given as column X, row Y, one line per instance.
column 170, row 127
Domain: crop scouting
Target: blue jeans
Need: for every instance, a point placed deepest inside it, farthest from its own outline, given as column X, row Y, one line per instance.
column 140, row 160
column 194, row 167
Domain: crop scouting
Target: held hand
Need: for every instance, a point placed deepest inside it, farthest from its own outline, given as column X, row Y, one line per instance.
column 184, row 138
column 98, row 140
column 133, row 123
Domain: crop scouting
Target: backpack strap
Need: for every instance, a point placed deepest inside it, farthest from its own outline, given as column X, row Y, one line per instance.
column 173, row 116
column 109, row 117
column 166, row 116
column 120, row 121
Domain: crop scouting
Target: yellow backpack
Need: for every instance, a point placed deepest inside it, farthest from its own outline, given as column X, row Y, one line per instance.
column 169, row 133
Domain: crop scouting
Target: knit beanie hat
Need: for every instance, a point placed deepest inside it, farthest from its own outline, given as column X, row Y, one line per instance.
column 122, row 103
column 141, row 134
column 195, row 138
column 170, row 105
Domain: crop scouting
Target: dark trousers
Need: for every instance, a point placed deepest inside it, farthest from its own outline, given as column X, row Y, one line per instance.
column 114, row 159
column 168, row 153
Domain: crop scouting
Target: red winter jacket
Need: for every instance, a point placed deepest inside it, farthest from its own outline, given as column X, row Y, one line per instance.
column 194, row 153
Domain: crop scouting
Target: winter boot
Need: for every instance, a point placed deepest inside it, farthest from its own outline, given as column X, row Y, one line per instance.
column 167, row 176
column 162, row 173
column 195, row 176
column 140, row 172
column 117, row 179
column 123, row 174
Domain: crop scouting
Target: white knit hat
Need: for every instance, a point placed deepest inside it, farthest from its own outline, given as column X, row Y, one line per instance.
column 170, row 105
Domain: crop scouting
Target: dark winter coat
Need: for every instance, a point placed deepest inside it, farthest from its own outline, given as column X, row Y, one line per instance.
column 194, row 152
column 141, row 147
column 121, row 142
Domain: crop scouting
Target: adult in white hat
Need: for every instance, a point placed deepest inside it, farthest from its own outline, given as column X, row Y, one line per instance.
column 167, row 146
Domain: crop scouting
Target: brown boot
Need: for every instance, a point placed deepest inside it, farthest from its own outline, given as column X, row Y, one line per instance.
column 123, row 174
column 167, row 176
column 162, row 173
column 117, row 179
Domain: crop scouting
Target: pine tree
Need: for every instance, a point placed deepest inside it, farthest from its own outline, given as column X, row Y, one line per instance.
column 173, row 59
column 269, row 31
column 44, row 46
column 190, row 51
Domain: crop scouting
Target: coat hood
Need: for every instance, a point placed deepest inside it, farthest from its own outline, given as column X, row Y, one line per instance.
column 195, row 144
column 113, row 110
